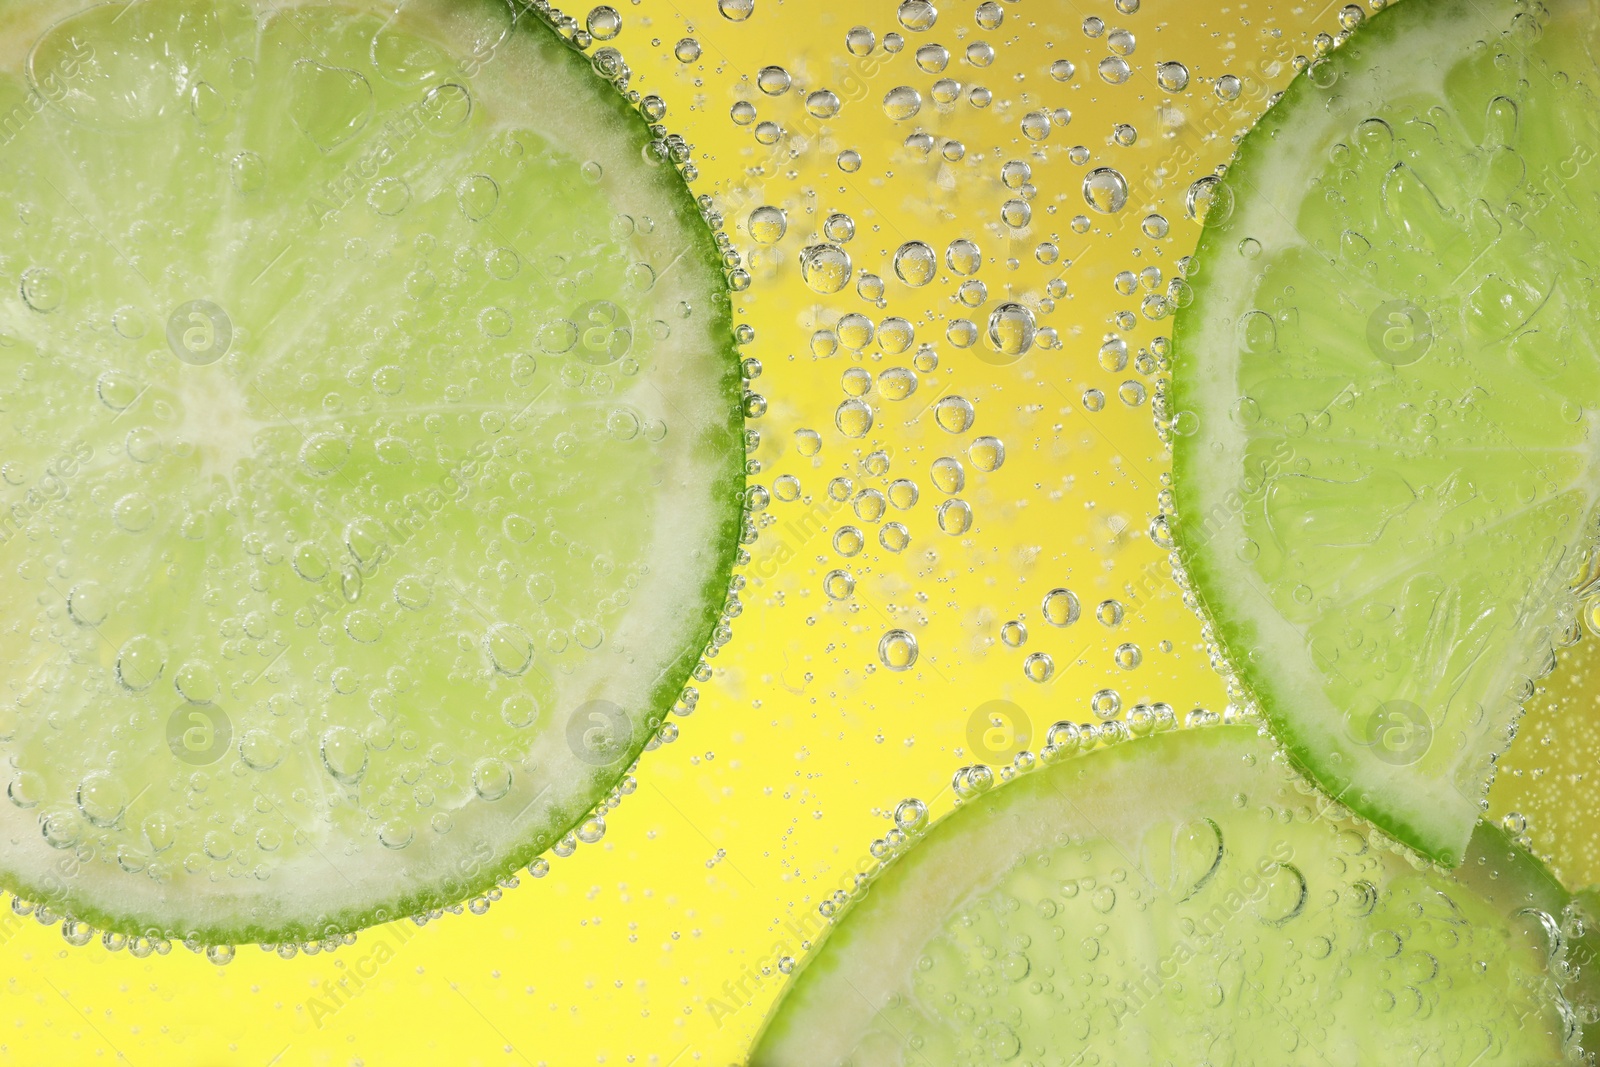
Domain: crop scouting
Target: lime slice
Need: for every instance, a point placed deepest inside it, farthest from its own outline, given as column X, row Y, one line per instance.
column 372, row 456
column 1385, row 400
column 1079, row 916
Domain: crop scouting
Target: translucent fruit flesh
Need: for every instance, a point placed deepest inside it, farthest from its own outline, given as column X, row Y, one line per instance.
column 371, row 455
column 1386, row 400
column 1076, row 915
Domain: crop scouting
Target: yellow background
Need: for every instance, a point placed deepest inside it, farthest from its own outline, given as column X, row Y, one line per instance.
column 660, row 944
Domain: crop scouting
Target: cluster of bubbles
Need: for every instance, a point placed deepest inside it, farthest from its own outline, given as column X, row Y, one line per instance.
column 873, row 501
column 989, row 320
column 1063, row 740
column 1068, row 738
column 998, row 329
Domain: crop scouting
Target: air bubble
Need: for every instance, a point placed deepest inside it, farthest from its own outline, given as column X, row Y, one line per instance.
column 855, row 331
column 774, row 81
column 509, row 647
column 43, row 289
column 962, row 333
column 895, row 335
column 344, row 755
column 839, row 227
column 853, row 418
column 1114, row 70
column 247, row 172
column 897, row 383
column 491, row 779
column 954, row 414
column 767, row 224
column 902, row 102
column 1209, row 200
column 897, row 650
column 603, row 23
column 825, row 268
column 1011, row 329
column 822, row 104
column 838, row 584
column 932, row 58
column 988, row 454
column 1105, row 704
column 963, row 257
column 917, row 15
column 1105, row 190
column 1172, row 76
column 1060, row 607
column 915, row 263
column 954, row 516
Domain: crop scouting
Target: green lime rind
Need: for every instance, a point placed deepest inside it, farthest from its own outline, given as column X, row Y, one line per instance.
column 309, row 909
column 1383, row 453
column 1232, row 914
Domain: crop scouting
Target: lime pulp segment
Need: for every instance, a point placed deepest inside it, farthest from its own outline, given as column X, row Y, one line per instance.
column 1232, row 915
column 1386, row 399
column 372, row 457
